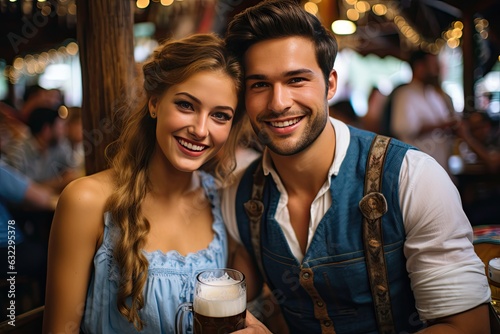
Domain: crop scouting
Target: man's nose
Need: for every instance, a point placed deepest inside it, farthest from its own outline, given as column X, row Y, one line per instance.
column 279, row 100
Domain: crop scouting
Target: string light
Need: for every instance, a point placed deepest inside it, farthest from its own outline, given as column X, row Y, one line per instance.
column 379, row 9
column 34, row 64
column 141, row 4
column 343, row 27
column 311, row 7
column 355, row 9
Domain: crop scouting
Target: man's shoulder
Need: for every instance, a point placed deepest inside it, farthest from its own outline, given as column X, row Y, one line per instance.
column 404, row 87
column 403, row 92
column 245, row 175
column 29, row 150
column 402, row 144
column 360, row 134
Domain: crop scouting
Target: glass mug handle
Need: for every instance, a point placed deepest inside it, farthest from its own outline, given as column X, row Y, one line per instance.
column 179, row 316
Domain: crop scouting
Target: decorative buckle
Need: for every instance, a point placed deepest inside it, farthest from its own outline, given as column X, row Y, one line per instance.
column 373, row 205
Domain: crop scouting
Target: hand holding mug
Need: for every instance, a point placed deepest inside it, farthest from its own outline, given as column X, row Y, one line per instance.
column 253, row 326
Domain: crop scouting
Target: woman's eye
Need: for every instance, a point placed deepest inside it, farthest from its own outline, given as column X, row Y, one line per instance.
column 184, row 105
column 222, row 116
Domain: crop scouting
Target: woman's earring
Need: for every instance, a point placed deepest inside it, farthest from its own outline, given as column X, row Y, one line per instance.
column 153, row 115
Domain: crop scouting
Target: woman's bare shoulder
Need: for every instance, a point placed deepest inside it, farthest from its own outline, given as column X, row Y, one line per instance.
column 90, row 191
column 79, row 215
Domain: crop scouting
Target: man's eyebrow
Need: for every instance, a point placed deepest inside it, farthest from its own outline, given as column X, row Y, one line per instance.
column 300, row 71
column 293, row 73
column 256, row 77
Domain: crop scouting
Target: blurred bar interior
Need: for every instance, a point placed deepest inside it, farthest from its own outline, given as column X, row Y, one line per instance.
column 85, row 51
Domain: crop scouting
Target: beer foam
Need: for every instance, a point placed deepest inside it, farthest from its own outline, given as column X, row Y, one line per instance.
column 220, row 298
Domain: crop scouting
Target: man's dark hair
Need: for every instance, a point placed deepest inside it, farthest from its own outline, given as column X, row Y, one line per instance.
column 278, row 19
column 31, row 91
column 40, row 117
column 417, row 57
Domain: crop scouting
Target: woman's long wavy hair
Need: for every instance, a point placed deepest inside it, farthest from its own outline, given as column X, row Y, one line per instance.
column 172, row 63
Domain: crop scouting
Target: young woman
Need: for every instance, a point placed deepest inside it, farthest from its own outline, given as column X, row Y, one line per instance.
column 126, row 242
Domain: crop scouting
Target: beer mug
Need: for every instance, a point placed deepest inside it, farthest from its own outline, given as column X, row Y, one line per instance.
column 219, row 304
column 494, row 281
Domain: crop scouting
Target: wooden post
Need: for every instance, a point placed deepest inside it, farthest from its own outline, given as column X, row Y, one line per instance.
column 329, row 12
column 468, row 60
column 105, row 39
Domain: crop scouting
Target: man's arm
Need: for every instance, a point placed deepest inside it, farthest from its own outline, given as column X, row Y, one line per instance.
column 474, row 321
column 40, row 197
column 59, row 182
column 490, row 159
column 447, row 276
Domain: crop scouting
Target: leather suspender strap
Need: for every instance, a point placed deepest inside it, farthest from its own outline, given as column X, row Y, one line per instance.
column 373, row 206
column 255, row 209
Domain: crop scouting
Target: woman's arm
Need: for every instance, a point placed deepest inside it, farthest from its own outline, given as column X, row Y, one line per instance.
column 75, row 235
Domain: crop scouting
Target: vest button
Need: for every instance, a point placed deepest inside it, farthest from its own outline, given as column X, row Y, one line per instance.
column 327, row 323
column 306, row 275
column 319, row 303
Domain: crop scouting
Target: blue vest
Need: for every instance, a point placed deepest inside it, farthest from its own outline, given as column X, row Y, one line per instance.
column 335, row 259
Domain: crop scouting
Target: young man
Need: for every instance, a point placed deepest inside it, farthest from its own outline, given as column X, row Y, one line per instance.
column 328, row 274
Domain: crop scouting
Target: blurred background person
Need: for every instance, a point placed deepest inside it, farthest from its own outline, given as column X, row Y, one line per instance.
column 371, row 121
column 38, row 97
column 43, row 157
column 30, row 260
column 478, row 148
column 478, row 135
column 344, row 111
column 422, row 115
column 13, row 132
